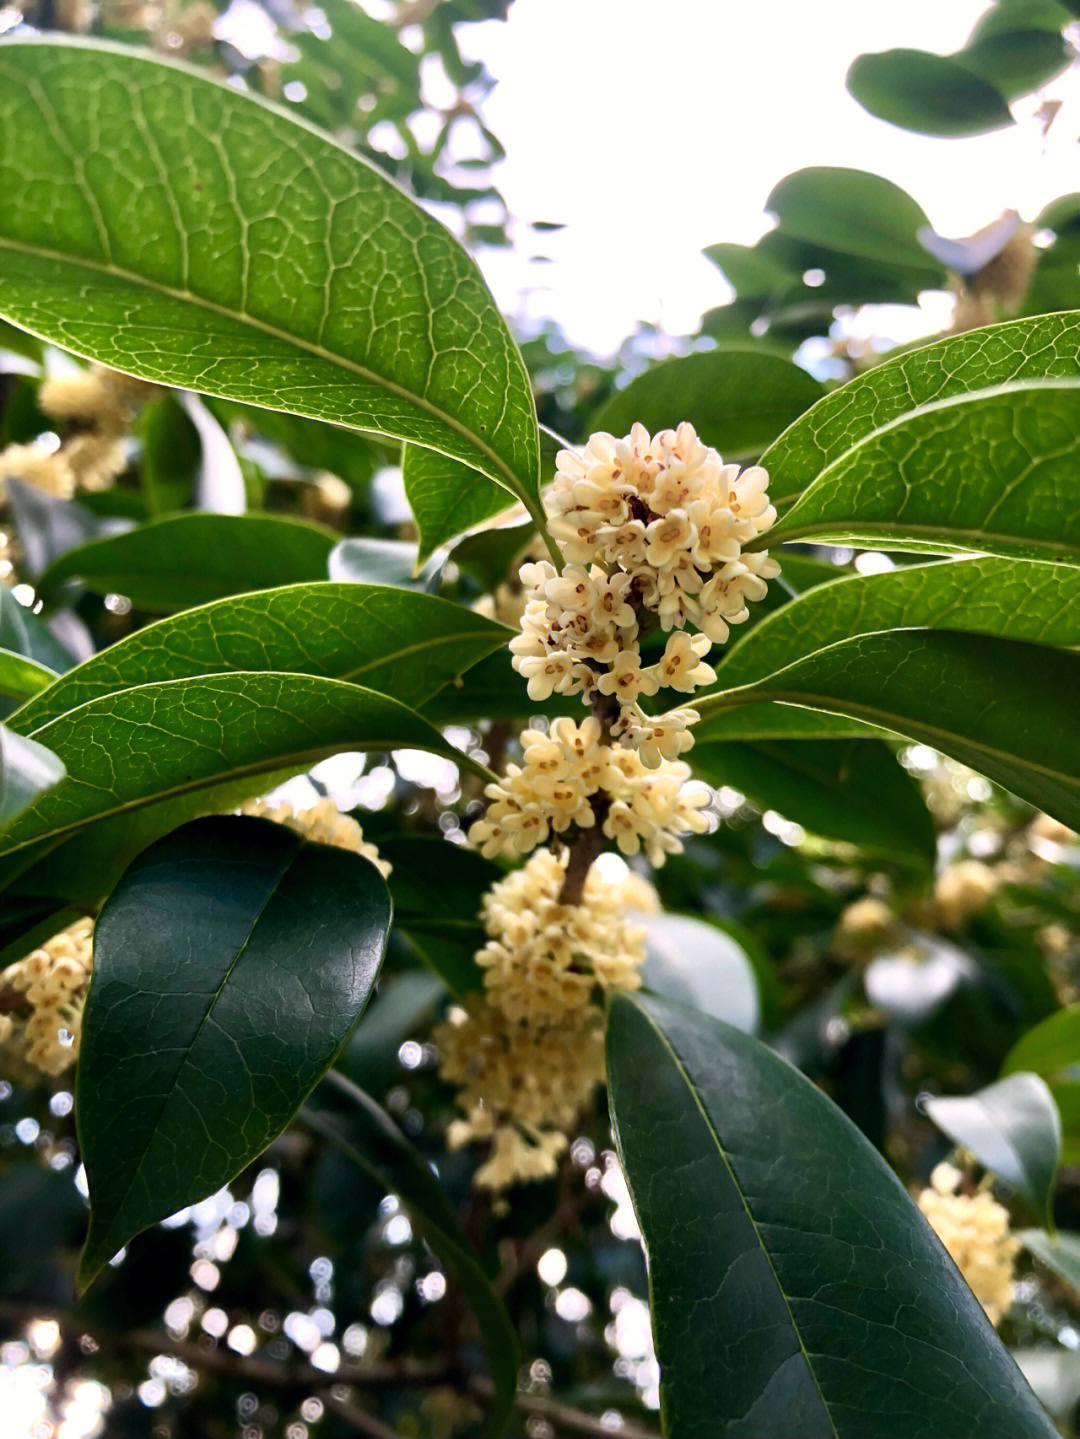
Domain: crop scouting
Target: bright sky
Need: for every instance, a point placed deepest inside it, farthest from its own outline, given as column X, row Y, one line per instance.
column 652, row 128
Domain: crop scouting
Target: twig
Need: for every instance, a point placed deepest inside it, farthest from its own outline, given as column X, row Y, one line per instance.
column 271, row 1372
column 576, row 1421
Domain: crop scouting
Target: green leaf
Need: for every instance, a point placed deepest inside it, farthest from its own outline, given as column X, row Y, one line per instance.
column 1016, row 61
column 1013, row 1129
column 21, row 677
column 489, row 555
column 968, row 695
column 369, row 1137
column 437, row 887
column 996, row 472
column 700, row 966
column 737, row 397
column 930, row 94
column 23, row 633
column 169, row 739
column 1016, row 355
column 28, row 771
column 1050, row 1048
column 398, row 642
column 853, row 792
column 852, row 212
column 767, row 721
column 1060, row 1253
column 230, row 965
column 795, row 1287
column 190, row 559
column 246, row 255
column 446, row 497
column 1037, row 601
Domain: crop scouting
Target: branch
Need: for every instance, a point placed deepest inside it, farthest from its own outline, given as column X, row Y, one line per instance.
column 213, row 1358
column 576, row 1421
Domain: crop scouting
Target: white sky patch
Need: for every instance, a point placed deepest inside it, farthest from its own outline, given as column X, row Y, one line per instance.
column 653, row 130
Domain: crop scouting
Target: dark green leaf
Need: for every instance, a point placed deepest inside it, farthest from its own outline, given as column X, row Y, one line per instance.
column 28, row 771
column 737, row 397
column 796, row 1289
column 230, row 964
column 930, row 94
column 401, row 643
column 190, row 559
column 968, row 695
column 1016, row 355
column 437, row 888
column 311, row 284
column 171, row 455
column 489, row 555
column 1038, row 602
column 373, row 1141
column 1016, row 61
column 166, row 740
column 854, row 792
column 1013, row 1129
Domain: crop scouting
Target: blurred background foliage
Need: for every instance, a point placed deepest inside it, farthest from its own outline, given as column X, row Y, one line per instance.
column 933, row 957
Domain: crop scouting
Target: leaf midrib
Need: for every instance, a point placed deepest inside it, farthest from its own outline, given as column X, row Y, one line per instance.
column 722, row 1152
column 421, row 402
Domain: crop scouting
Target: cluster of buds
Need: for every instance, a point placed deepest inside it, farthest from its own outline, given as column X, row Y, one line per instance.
column 573, row 777
column 97, row 407
column 653, row 529
column 528, row 1053
column 974, row 1228
column 43, row 997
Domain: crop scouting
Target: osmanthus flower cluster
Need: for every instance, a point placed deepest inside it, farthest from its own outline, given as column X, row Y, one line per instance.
column 653, row 529
column 97, row 407
column 528, row 1052
column 974, row 1228
column 41, row 1003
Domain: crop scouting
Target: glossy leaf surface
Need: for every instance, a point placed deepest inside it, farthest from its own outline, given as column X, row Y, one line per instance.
column 191, row 559
column 1015, row 355
column 796, row 1289
column 230, row 964
column 401, row 643
column 177, row 253
column 165, row 740
column 28, row 771
column 968, row 695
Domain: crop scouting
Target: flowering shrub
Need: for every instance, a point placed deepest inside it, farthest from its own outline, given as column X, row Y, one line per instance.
column 544, row 927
